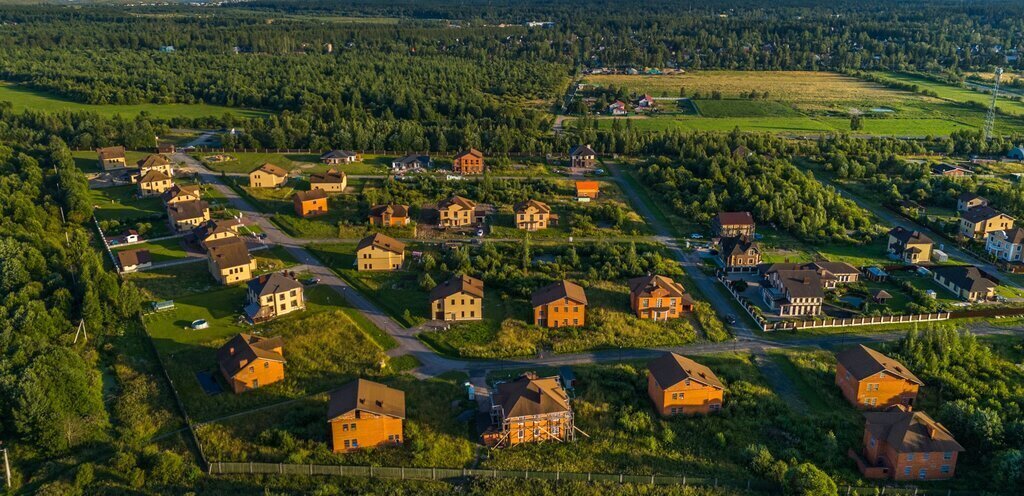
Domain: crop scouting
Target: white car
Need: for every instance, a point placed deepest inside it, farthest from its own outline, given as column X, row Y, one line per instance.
column 696, row 236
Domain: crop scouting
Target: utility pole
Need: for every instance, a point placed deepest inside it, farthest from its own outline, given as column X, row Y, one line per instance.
column 7, row 469
column 990, row 118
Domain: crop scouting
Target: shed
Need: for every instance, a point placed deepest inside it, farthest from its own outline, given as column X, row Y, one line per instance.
column 880, row 296
column 876, row 274
column 568, row 377
column 163, row 305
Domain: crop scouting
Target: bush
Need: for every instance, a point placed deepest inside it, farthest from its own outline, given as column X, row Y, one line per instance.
column 807, row 480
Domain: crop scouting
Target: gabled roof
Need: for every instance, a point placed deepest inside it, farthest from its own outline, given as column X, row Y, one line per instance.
column 337, row 154
column 671, row 369
column 458, row 284
column 274, row 283
column 471, row 152
column 1014, row 236
column 188, row 210
column 880, row 294
column 801, row 283
column 246, row 349
column 153, row 160
column 557, row 291
column 910, row 432
column 945, row 168
column 110, row 152
column 331, row 176
column 464, row 203
column 216, row 226
column 981, row 213
column 863, row 362
column 130, row 258
column 646, row 286
column 588, row 185
column 413, row 159
column 736, row 245
column 175, row 191
column 366, row 396
column 735, row 219
column 582, row 151
column 539, row 205
column 907, row 236
column 396, row 210
column 154, row 175
column 825, row 270
column 382, row 241
column 313, row 194
column 228, row 252
column 966, row 277
column 530, row 395
column 270, row 168
column 968, row 196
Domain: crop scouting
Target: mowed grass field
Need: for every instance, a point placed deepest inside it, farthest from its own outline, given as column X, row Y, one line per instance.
column 244, row 162
column 799, row 102
column 956, row 93
column 24, row 98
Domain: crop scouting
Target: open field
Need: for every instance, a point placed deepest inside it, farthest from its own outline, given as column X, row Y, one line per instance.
column 24, row 98
column 243, row 162
column 804, row 102
column 122, row 204
column 160, row 251
column 955, row 93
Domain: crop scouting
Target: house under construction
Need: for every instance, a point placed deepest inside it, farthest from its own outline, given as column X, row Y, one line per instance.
column 530, row 409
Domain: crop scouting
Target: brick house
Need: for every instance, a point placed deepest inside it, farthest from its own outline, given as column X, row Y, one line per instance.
column 310, row 203
column 267, row 175
column 869, row 379
column 155, row 162
column 654, row 297
column 469, row 162
column 365, row 414
column 250, row 362
column 271, row 295
column 793, row 293
column 727, row 224
column 389, row 215
column 459, row 298
column 582, row 157
column 678, row 385
column 530, row 409
column 739, row 253
column 559, row 304
column 533, row 215
column 904, row 445
column 379, row 252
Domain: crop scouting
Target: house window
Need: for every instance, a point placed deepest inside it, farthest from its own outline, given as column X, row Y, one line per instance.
column 344, row 427
column 687, row 382
column 266, row 365
column 352, row 426
column 947, row 455
column 925, row 456
column 910, row 457
column 347, row 444
column 715, row 406
column 555, row 429
column 355, row 443
column 252, row 369
column 922, row 474
column 522, row 434
column 872, row 442
column 944, row 469
column 906, row 471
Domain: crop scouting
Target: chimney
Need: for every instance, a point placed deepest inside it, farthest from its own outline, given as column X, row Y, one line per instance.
column 932, row 431
column 807, row 280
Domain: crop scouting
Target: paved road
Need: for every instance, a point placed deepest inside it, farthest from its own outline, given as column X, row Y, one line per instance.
column 434, row 364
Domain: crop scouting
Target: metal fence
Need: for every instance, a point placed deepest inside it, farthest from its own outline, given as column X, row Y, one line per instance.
column 434, row 473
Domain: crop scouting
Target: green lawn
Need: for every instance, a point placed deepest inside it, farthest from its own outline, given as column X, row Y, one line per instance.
column 306, row 162
column 744, row 108
column 956, row 93
column 120, row 203
column 160, row 251
column 24, row 98
column 173, row 282
column 87, row 160
column 857, row 255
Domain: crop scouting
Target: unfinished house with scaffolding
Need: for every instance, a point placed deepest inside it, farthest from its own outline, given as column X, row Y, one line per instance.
column 530, row 409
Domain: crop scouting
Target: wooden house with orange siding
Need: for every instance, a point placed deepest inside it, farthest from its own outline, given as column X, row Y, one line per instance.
column 310, row 203
column 469, row 162
column 678, row 385
column 870, row 379
column 250, row 362
column 365, row 414
column 560, row 304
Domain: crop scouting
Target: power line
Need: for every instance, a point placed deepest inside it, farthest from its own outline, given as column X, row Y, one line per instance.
column 990, row 118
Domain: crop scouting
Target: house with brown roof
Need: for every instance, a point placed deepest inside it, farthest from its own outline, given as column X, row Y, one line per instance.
column 154, row 183
column 906, row 445
column 186, row 215
column 587, row 189
column 739, row 253
column 411, row 162
column 215, row 229
column 458, row 298
column 332, row 181
column 560, row 304
column 1007, row 246
column 582, row 156
column 389, row 215
column 155, row 162
column 338, row 157
column 469, row 162
column 177, row 193
column 365, row 414
column 271, row 295
column 793, row 293
column 949, row 170
column 966, row 281
column 229, row 260
column 250, row 362
column 310, row 203
column 967, row 201
column 165, row 148
column 111, row 158
column 530, row 409
column 979, row 222
column 533, row 215
column 458, row 211
column 133, row 260
column 678, row 385
column 910, row 246
column 267, row 175
column 869, row 379
column 831, row 274
column 379, row 252
column 655, row 297
column 727, row 224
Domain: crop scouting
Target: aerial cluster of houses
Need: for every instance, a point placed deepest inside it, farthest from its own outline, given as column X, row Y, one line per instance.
column 644, row 103
column 1003, row 241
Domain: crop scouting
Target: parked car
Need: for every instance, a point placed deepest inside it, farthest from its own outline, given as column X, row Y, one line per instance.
column 311, row 281
column 730, row 319
column 696, row 236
